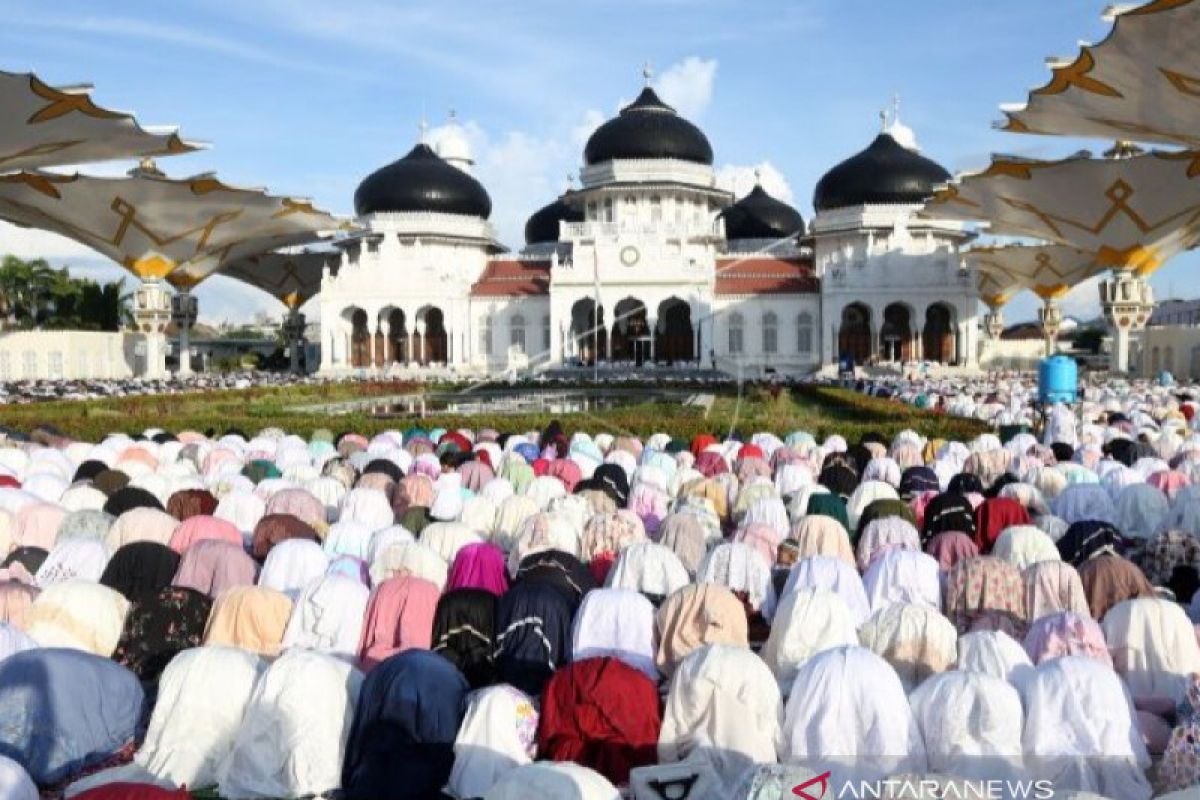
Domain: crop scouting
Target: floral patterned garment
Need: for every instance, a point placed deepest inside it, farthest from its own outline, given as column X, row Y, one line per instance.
column 1180, row 766
column 986, row 593
column 159, row 626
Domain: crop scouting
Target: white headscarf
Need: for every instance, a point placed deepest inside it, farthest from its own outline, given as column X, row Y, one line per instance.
column 489, row 743
column 724, row 706
column 848, row 712
column 562, row 780
column 808, row 621
column 971, row 724
column 1081, row 732
column 328, row 617
column 1153, row 645
column 292, row 565
column 292, row 740
column 617, row 623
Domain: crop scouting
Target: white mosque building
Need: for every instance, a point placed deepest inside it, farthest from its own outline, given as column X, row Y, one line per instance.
column 648, row 261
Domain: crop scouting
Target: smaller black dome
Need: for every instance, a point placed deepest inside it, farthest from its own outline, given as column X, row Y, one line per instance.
column 648, row 128
column 885, row 173
column 542, row 225
column 760, row 216
column 422, row 181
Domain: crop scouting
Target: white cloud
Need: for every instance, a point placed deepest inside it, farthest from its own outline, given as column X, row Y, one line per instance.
column 741, row 179
column 37, row 243
column 688, row 85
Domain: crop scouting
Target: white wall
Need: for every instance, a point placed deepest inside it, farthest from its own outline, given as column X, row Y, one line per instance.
column 1173, row 348
column 1018, row 354
column 31, row 355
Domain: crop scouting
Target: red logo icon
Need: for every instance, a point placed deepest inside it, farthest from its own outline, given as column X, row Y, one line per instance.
column 822, row 779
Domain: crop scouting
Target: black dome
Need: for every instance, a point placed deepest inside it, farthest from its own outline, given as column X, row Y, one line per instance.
column 760, row 216
column 648, row 128
column 421, row 181
column 886, row 172
column 542, row 225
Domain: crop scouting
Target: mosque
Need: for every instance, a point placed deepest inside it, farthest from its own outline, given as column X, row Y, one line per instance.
column 648, row 261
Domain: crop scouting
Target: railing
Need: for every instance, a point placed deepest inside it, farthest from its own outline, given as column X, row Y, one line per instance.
column 686, row 230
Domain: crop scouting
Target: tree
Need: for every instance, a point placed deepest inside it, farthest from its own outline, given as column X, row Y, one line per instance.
column 34, row 294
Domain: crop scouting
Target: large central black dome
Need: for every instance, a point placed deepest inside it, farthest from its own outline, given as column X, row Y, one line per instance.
column 422, row 181
column 648, row 128
column 885, row 173
column 760, row 216
column 542, row 225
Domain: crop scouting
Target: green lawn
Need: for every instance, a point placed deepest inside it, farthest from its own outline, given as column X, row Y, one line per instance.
column 819, row 410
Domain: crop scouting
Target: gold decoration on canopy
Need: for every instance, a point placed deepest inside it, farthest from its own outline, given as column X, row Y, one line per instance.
column 44, row 126
column 292, row 278
column 153, row 225
column 1140, row 82
column 1050, row 271
column 1132, row 213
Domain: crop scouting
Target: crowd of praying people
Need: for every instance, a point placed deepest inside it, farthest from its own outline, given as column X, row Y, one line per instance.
column 462, row 614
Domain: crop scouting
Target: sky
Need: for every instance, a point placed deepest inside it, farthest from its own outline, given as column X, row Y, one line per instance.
column 307, row 97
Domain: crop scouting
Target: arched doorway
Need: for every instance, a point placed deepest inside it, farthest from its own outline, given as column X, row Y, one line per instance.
column 630, row 338
column 854, row 334
column 937, row 338
column 397, row 351
column 432, row 346
column 360, row 339
column 895, row 335
column 588, row 331
column 674, row 340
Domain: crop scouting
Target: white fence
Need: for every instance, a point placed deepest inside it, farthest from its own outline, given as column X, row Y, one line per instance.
column 66, row 355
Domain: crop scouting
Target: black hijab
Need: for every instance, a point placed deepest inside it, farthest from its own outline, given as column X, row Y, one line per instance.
column 140, row 568
column 464, row 633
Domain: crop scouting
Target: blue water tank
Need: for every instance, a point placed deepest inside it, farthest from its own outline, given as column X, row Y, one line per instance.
column 1058, row 379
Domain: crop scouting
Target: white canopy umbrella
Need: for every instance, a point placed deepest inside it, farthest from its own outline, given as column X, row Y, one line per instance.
column 1141, row 82
column 44, row 126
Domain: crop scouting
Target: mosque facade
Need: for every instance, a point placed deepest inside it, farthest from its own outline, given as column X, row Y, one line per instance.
column 648, row 261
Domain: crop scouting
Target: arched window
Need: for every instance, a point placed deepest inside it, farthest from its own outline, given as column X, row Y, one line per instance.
column 608, row 209
column 735, row 334
column 1169, row 358
column 770, row 333
column 485, row 336
column 655, row 208
column 591, row 211
column 546, row 332
column 804, row 333
column 516, row 332
column 29, row 364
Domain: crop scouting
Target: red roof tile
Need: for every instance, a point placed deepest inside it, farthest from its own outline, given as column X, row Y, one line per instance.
column 513, row 278
column 765, row 276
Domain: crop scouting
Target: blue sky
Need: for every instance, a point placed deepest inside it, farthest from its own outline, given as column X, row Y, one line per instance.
column 307, row 96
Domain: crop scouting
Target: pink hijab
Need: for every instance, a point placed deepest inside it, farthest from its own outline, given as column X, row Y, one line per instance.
column 399, row 617
column 951, row 547
column 213, row 565
column 476, row 474
column 1066, row 634
column 203, row 527
column 37, row 525
column 566, row 471
column 300, row 504
column 479, row 566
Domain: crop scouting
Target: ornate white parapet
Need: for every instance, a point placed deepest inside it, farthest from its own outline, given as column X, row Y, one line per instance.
column 1051, row 317
column 1128, row 301
column 151, row 313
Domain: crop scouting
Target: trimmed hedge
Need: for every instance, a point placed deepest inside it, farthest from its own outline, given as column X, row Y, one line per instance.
column 820, row 410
